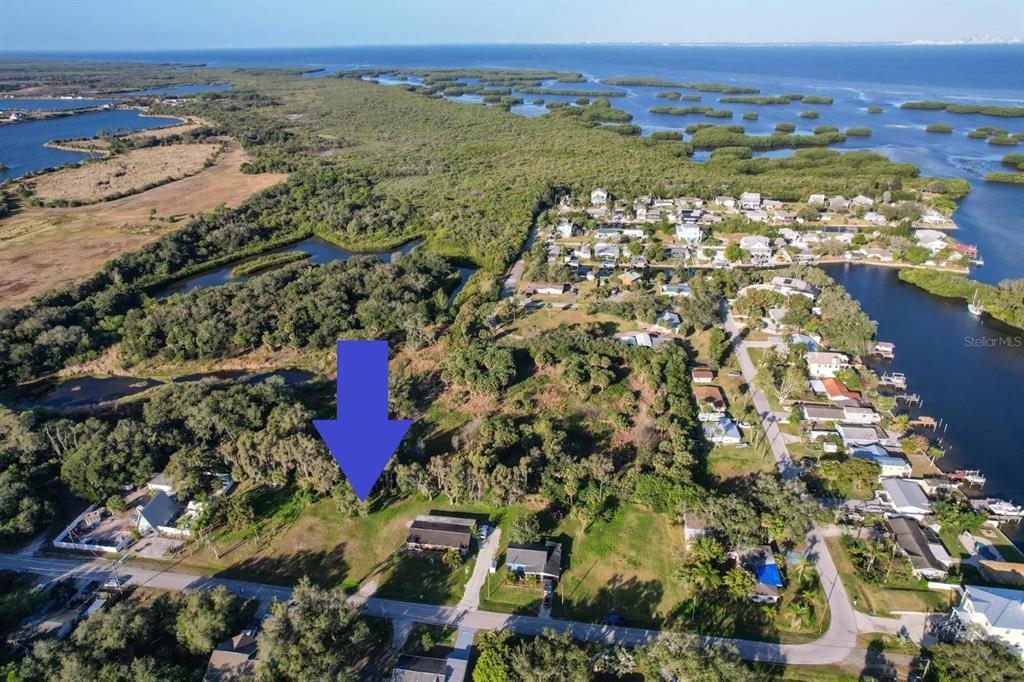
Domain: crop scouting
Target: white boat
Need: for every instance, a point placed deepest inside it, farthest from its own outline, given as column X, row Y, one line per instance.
column 1004, row 508
column 974, row 307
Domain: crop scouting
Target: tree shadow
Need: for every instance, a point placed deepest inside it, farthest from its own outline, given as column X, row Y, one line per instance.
column 325, row 568
column 631, row 598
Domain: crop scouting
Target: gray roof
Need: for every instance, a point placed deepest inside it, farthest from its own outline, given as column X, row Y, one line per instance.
column 823, row 413
column 160, row 510
column 1004, row 608
column 912, row 540
column 439, row 534
column 542, row 559
column 905, row 493
column 420, row 669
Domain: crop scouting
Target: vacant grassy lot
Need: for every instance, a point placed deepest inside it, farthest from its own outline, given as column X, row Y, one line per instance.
column 124, row 173
column 732, row 461
column 46, row 248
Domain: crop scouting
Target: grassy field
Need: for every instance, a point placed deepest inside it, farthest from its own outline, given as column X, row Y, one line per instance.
column 124, row 173
column 103, row 143
column 424, row 577
column 732, row 461
column 45, row 248
column 896, row 595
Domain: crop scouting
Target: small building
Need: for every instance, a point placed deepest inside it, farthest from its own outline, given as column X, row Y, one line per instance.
column 675, row 290
column 710, row 402
column 919, row 548
column 162, row 483
column 750, row 200
column 642, row 339
column 856, row 414
column 667, row 322
column 838, row 203
column 598, row 197
column 440, row 533
column 861, row 201
column 420, row 669
column 836, row 391
column 723, row 431
column 566, row 229
column 825, row 364
column 816, row 200
column 726, row 202
column 548, row 288
column 905, row 497
column 703, row 376
column 993, row 613
column 689, row 232
column 233, row 659
column 538, row 559
column 156, row 513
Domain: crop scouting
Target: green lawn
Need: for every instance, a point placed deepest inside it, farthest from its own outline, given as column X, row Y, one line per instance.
column 731, row 461
column 424, row 577
column 501, row 592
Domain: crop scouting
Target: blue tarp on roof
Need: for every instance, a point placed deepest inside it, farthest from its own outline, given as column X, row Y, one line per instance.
column 768, row 574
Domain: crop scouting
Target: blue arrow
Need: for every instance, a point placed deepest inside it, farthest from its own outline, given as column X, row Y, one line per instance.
column 362, row 439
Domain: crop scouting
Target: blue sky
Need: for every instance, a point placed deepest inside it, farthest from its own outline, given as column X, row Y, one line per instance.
column 165, row 24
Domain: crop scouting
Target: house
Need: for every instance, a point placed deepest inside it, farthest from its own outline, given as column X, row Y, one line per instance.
column 156, row 513
column 876, row 254
column 539, row 559
column 993, row 613
column 693, row 528
column 583, row 252
column 161, row 482
column 440, row 533
column 920, row 548
column 761, row 562
column 758, row 246
column 233, row 659
column 862, row 201
column 689, row 232
column 726, row 202
column 855, row 414
column 811, row 342
column 750, row 200
column 930, row 216
column 723, row 431
column 675, row 290
column 788, row 286
column 667, row 322
column 633, row 232
column 420, row 669
column 933, row 240
column 889, row 465
column 638, row 262
column 854, row 435
column 886, row 349
column 678, row 252
column 816, row 200
column 566, row 229
column 838, row 203
column 771, row 204
column 823, row 413
column 825, row 364
column 710, row 402
column 547, row 288
column 630, row 277
column 835, row 390
column 598, row 197
column 876, row 218
column 606, row 250
column 905, row 497
column 642, row 339
column 703, row 376
column 757, row 216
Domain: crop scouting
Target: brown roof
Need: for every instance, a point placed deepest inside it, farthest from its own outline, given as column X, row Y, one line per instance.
column 834, row 388
column 233, row 659
column 703, row 374
column 439, row 534
column 712, row 395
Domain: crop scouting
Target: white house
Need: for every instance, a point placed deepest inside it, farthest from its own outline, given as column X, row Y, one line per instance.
column 598, row 197
column 995, row 613
column 723, row 431
column 667, row 322
column 756, row 245
column 822, row 365
column 547, row 288
column 862, row 201
column 606, row 250
column 838, row 203
column 891, row 466
column 750, row 200
column 880, row 255
column 855, row 435
column 816, row 200
column 905, row 497
column 675, row 290
column 689, row 232
column 725, row 202
column 933, row 240
column 565, row 229
column 860, row 415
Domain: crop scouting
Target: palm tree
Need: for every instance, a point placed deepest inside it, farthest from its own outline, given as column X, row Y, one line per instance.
column 801, row 567
column 739, row 582
column 703, row 579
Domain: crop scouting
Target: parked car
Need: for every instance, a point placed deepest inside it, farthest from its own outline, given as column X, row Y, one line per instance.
column 116, row 581
column 547, row 601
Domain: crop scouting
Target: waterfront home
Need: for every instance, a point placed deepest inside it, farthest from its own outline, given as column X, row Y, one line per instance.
column 922, row 548
column 787, row 286
column 630, row 277
column 608, row 233
column 543, row 560
column 825, row 364
column 633, row 232
column 757, row 246
column 889, row 465
column 930, row 216
column 639, row 262
column 725, row 202
column 992, row 613
column 838, row 203
column 689, row 232
column 904, row 496
column 855, row 435
column 822, row 413
column 598, row 197
column 816, row 200
column 933, row 240
column 675, row 290
column 878, row 254
column 703, row 376
column 546, row 288
column 886, row 349
column 861, row 201
column 710, row 402
column 566, row 229
column 723, row 431
column 856, row 414
column 602, row 250
column 443, row 533
column 678, row 252
column 750, row 200
column 789, row 234
column 835, row 390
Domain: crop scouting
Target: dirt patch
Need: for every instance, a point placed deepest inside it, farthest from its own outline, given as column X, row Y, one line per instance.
column 124, row 173
column 45, row 248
